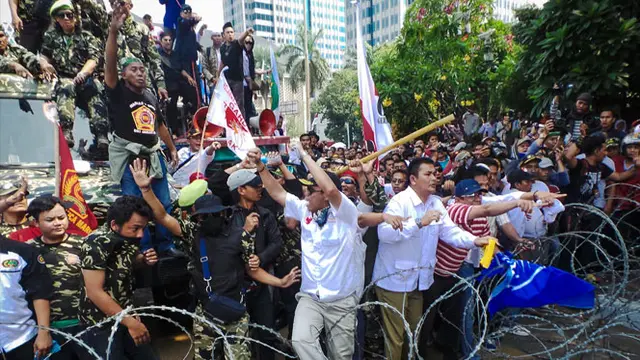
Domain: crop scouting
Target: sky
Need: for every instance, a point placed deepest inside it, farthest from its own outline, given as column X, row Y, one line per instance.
column 210, row 10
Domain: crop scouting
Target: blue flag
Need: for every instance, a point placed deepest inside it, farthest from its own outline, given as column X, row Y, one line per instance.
column 529, row 285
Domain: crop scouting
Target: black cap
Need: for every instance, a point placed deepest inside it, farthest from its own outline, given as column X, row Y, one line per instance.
column 332, row 176
column 186, row 7
column 517, row 176
column 208, row 204
column 586, row 97
column 226, row 25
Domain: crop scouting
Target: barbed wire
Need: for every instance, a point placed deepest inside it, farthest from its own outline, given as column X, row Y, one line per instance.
column 599, row 253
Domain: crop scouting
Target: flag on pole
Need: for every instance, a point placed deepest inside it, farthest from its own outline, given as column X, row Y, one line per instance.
column 275, row 89
column 224, row 112
column 82, row 221
column 375, row 127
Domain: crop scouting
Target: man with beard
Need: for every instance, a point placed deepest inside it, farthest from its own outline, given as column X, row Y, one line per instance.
column 13, row 207
column 138, row 124
column 61, row 253
column 231, row 252
column 108, row 259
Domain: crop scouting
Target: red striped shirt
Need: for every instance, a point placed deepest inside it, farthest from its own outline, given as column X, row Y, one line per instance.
column 449, row 258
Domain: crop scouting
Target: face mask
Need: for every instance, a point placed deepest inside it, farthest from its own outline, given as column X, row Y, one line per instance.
column 211, row 225
column 128, row 239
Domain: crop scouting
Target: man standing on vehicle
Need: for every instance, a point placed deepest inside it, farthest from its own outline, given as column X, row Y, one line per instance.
column 137, row 125
column 231, row 53
column 108, row 259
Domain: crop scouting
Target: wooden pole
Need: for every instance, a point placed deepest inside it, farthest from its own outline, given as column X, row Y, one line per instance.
column 434, row 125
column 204, row 131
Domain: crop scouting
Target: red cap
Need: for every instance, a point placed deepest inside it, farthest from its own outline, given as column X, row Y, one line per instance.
column 195, row 176
column 350, row 174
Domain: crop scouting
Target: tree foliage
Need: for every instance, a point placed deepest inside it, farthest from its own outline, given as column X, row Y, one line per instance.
column 438, row 64
column 589, row 44
column 339, row 105
column 294, row 60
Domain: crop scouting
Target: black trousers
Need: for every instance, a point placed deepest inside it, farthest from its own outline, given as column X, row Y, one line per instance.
column 261, row 311
column 122, row 347
column 175, row 122
column 288, row 295
column 249, row 108
column 32, row 35
column 24, row 351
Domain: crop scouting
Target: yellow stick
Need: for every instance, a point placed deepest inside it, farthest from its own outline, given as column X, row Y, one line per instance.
column 434, row 125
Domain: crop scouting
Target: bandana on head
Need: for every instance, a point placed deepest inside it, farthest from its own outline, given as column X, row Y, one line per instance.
column 128, row 61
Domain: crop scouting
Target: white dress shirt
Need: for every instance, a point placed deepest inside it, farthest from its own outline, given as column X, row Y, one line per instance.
column 332, row 255
column 406, row 259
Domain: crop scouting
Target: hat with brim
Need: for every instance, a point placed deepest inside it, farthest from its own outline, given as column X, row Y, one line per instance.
column 192, row 192
column 528, row 159
column 243, row 177
column 208, row 204
column 545, row 163
column 468, row 187
column 194, row 132
column 60, row 5
column 522, row 141
column 312, row 182
column 613, row 142
column 9, row 188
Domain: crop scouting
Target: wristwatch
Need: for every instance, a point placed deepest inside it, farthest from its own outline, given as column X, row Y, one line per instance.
column 419, row 222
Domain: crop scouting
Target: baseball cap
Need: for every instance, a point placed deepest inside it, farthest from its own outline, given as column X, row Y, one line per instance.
column 334, row 178
column 208, row 204
column 194, row 132
column 461, row 145
column 614, row 142
column 192, row 192
column 529, row 158
column 545, row 163
column 10, row 187
column 518, row 175
column 522, row 141
column 467, row 187
column 60, row 5
column 243, row 177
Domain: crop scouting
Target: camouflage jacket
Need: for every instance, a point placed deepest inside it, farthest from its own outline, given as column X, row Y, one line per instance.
column 17, row 53
column 63, row 263
column 26, row 10
column 107, row 251
column 186, row 242
column 290, row 242
column 69, row 53
column 133, row 40
column 94, row 18
column 6, row 229
column 377, row 196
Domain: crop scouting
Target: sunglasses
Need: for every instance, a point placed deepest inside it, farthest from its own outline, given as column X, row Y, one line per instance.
column 348, row 181
column 249, row 42
column 65, row 15
column 186, row 11
column 476, row 195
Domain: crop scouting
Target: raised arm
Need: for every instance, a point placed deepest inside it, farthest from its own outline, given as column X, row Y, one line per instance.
column 499, row 208
column 120, row 13
column 139, row 171
column 244, row 35
column 321, row 178
column 275, row 190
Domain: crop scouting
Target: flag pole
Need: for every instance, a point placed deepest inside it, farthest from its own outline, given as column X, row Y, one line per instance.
column 56, row 151
column 204, row 131
column 434, row 125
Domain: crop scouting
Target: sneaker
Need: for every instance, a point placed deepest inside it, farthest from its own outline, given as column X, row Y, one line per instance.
column 68, row 135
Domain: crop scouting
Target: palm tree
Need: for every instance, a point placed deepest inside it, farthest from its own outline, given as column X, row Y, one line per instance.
column 294, row 65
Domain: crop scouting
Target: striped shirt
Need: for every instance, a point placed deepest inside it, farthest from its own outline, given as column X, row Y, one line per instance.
column 449, row 258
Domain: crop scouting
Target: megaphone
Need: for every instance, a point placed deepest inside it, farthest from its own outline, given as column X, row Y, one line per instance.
column 265, row 122
column 199, row 119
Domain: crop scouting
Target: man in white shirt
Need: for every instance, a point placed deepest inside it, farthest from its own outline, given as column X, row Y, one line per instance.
column 406, row 257
column 191, row 156
column 332, row 262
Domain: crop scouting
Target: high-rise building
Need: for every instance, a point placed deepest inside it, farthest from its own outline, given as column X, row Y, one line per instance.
column 504, row 9
column 277, row 20
column 380, row 20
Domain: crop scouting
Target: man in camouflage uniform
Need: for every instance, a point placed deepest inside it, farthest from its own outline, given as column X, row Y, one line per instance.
column 13, row 207
column 16, row 59
column 108, row 258
column 231, row 254
column 75, row 54
column 30, row 21
column 61, row 252
column 133, row 41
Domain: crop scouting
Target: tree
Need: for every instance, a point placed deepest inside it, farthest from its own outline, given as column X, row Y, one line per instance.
column 339, row 104
column 294, row 64
column 450, row 55
column 589, row 44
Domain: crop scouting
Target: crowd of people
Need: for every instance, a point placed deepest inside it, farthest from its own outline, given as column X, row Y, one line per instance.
column 65, row 42
column 293, row 237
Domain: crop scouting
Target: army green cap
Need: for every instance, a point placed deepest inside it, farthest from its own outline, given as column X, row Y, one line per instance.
column 10, row 187
column 60, row 5
column 128, row 61
column 192, row 192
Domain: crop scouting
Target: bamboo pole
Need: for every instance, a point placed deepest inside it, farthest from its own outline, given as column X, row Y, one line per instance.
column 434, row 125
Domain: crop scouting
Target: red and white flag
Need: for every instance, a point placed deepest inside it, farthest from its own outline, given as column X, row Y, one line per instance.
column 224, row 112
column 375, row 127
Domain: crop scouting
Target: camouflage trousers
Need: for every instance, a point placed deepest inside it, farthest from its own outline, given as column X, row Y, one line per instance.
column 205, row 339
column 86, row 96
